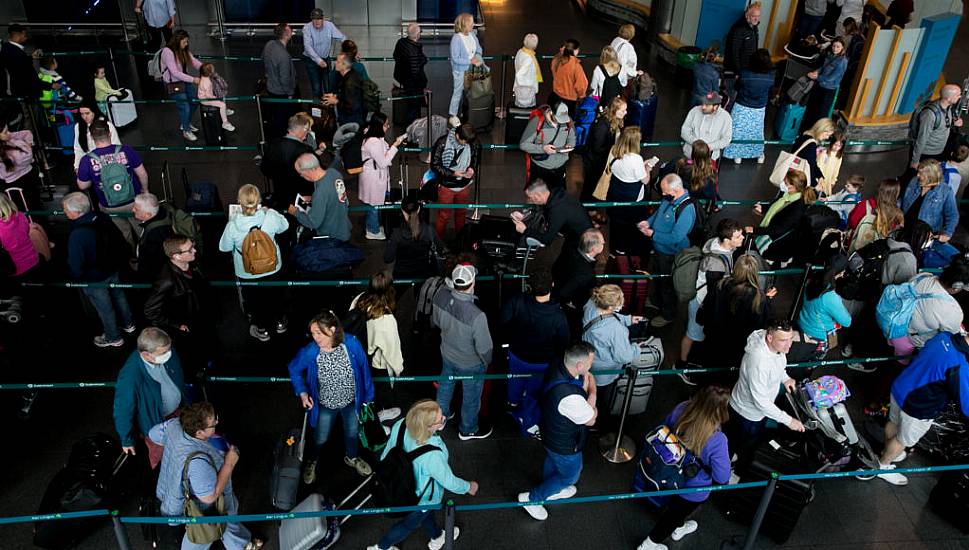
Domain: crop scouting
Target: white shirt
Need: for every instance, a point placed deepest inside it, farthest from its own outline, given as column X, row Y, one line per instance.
column 526, row 80
column 628, row 60
column 468, row 42
column 761, row 375
column 629, row 168
column 576, row 409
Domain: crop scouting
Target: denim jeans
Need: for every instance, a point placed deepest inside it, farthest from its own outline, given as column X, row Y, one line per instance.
column 455, row 105
column 351, row 428
column 743, row 436
column 558, row 472
column 319, row 77
column 236, row 535
column 186, row 108
column 520, row 388
column 406, row 526
column 373, row 221
column 111, row 305
column 471, row 389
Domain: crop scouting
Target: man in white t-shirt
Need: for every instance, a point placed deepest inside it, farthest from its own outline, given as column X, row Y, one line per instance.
column 568, row 408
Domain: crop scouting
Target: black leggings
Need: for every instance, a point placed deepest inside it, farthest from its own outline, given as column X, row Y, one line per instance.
column 676, row 512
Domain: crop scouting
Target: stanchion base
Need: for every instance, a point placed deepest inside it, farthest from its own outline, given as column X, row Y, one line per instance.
column 617, row 455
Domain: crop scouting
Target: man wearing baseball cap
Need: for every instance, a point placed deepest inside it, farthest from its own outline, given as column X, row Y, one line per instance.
column 708, row 122
column 318, row 37
column 465, row 349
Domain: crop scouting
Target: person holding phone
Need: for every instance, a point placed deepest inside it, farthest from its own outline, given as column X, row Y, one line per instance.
column 547, row 141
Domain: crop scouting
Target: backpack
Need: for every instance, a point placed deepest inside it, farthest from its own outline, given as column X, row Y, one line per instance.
column 355, row 323
column 182, row 223
column 826, row 392
column 425, row 299
column 116, row 182
column 154, row 66
column 865, row 232
column 371, row 96
column 258, row 252
column 896, row 306
column 863, row 278
column 664, row 463
column 642, row 88
column 220, row 88
column 396, row 484
column 699, row 232
column 686, row 270
column 915, row 122
column 611, row 87
column 585, row 115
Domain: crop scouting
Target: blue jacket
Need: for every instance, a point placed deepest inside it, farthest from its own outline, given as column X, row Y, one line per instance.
column 753, row 89
column 137, row 397
column 938, row 208
column 302, row 374
column 706, row 78
column 819, row 315
column 429, row 466
column 671, row 232
column 714, row 456
column 832, row 71
column 460, row 60
column 610, row 337
column 937, row 375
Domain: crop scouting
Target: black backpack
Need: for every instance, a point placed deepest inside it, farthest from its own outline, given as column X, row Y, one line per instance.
column 863, row 277
column 396, row 484
column 355, row 323
column 699, row 233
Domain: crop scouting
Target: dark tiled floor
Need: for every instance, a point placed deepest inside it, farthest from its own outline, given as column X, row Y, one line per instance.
column 846, row 514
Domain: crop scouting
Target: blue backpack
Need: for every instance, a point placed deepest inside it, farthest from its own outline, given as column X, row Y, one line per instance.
column 585, row 115
column 895, row 307
column 664, row 464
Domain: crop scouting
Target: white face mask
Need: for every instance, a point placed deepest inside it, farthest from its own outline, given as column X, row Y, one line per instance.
column 163, row 358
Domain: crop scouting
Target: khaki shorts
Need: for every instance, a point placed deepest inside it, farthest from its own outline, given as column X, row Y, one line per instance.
column 910, row 429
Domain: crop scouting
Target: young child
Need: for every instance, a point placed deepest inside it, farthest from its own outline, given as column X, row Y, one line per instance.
column 102, row 88
column 829, row 161
column 209, row 83
column 48, row 72
column 847, row 198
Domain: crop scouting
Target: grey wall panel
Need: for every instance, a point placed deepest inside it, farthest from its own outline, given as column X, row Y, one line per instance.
column 349, row 12
column 384, row 12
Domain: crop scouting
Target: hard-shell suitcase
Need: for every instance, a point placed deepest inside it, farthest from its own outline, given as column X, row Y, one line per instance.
column 399, row 107
column 212, row 126
column 788, row 121
column 287, row 459
column 122, row 112
column 650, row 358
column 480, row 111
column 642, row 113
column 313, row 533
column 585, row 115
column 515, row 123
column 950, row 498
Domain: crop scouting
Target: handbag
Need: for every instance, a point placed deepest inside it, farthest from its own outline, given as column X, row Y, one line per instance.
column 602, row 186
column 477, row 81
column 790, row 161
column 175, row 87
column 372, row 434
column 202, row 533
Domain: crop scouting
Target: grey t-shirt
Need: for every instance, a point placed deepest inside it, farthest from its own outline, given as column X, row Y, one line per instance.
column 171, row 396
column 329, row 215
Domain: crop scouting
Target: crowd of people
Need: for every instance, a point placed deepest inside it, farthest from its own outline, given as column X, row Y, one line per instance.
column 567, row 332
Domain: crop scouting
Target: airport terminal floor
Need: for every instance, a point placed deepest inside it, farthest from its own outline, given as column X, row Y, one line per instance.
column 55, row 345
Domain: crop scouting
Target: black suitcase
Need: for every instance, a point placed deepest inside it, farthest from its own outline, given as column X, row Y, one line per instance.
column 515, row 122
column 480, row 111
column 212, row 130
column 400, row 106
column 287, row 460
column 790, row 497
column 950, row 498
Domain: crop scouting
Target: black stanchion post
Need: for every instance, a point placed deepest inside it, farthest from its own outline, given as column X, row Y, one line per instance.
column 618, row 448
column 119, row 533
column 114, row 67
column 262, row 124
column 449, row 525
column 220, row 19
column 124, row 29
column 748, row 544
column 430, row 110
column 500, row 108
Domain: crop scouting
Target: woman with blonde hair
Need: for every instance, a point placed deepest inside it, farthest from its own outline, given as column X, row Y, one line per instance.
column 528, row 73
column 630, row 174
column 875, row 218
column 465, row 52
column 609, row 332
column 264, row 305
column 601, row 139
column 697, row 426
column 15, row 238
column 605, row 77
column 776, row 236
column 806, row 146
column 931, row 202
column 417, row 435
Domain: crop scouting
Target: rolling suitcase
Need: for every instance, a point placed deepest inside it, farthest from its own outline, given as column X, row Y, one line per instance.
column 122, row 111
column 65, row 132
column 585, row 115
column 314, row 533
column 788, row 121
column 642, row 113
column 634, row 291
column 650, row 358
column 287, row 460
column 480, row 111
column 950, row 498
column 399, row 107
column 515, row 123
column 212, row 126
column 790, row 497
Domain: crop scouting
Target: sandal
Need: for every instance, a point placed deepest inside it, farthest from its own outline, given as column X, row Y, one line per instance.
column 254, row 544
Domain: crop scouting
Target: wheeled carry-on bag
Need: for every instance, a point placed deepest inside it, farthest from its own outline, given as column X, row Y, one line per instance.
column 480, row 111
column 650, row 358
column 788, row 121
column 317, row 533
column 642, row 113
column 122, row 112
column 515, row 123
column 212, row 126
column 287, row 460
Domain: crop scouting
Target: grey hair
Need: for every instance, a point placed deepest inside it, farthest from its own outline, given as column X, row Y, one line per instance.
column 147, row 202
column 307, row 162
column 589, row 239
column 153, row 338
column 537, row 186
column 673, row 181
column 530, row 41
column 76, row 202
column 949, row 91
column 297, row 122
column 413, row 29
column 578, row 351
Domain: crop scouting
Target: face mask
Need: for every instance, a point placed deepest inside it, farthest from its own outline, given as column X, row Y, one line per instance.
column 163, row 358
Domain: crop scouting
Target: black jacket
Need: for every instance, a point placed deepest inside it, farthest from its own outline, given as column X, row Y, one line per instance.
column 278, row 164
column 597, row 145
column 409, row 61
column 565, row 215
column 412, row 259
column 535, row 332
column 349, row 92
column 96, row 249
column 574, row 276
column 151, row 255
column 559, row 434
column 742, row 40
column 809, row 154
column 727, row 328
column 444, row 172
column 176, row 299
column 21, row 72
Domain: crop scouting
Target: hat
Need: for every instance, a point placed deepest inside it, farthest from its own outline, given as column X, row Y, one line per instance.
column 463, row 275
column 561, row 115
column 711, row 98
column 316, row 13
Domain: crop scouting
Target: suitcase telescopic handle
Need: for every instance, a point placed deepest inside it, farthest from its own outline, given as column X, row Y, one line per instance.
column 302, row 437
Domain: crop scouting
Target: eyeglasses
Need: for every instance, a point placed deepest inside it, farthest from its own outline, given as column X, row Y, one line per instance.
column 190, row 249
column 214, row 424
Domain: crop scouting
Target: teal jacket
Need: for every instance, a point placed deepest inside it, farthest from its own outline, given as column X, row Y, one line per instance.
column 430, row 467
column 137, row 397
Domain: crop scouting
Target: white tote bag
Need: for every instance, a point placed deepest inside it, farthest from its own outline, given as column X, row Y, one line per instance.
column 790, row 161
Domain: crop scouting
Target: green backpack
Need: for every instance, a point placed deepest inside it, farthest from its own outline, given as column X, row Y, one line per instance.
column 116, row 184
column 182, row 223
column 371, row 96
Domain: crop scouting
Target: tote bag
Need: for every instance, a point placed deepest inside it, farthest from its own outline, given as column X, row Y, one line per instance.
column 790, row 161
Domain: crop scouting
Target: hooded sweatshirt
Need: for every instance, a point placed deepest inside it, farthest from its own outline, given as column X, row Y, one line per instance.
column 716, row 263
column 562, row 136
column 716, row 129
column 933, row 315
column 761, row 374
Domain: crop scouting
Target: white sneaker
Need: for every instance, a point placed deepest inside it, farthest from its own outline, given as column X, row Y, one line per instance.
column 893, row 478
column 386, row 415
column 900, row 457
column 189, row 136
column 847, row 351
column 228, row 127
column 688, row 527
column 193, row 128
column 438, row 542
column 454, row 121
column 229, row 112
column 568, row 492
column 760, row 159
column 738, row 160
column 536, row 511
column 650, row 545
column 359, row 465
column 378, row 236
column 734, row 479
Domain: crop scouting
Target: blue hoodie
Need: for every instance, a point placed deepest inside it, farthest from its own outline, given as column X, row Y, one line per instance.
column 671, row 232
column 937, row 375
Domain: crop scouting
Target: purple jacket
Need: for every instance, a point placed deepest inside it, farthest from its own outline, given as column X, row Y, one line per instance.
column 715, row 458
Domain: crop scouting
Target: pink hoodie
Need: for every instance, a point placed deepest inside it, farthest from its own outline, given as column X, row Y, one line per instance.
column 15, row 239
